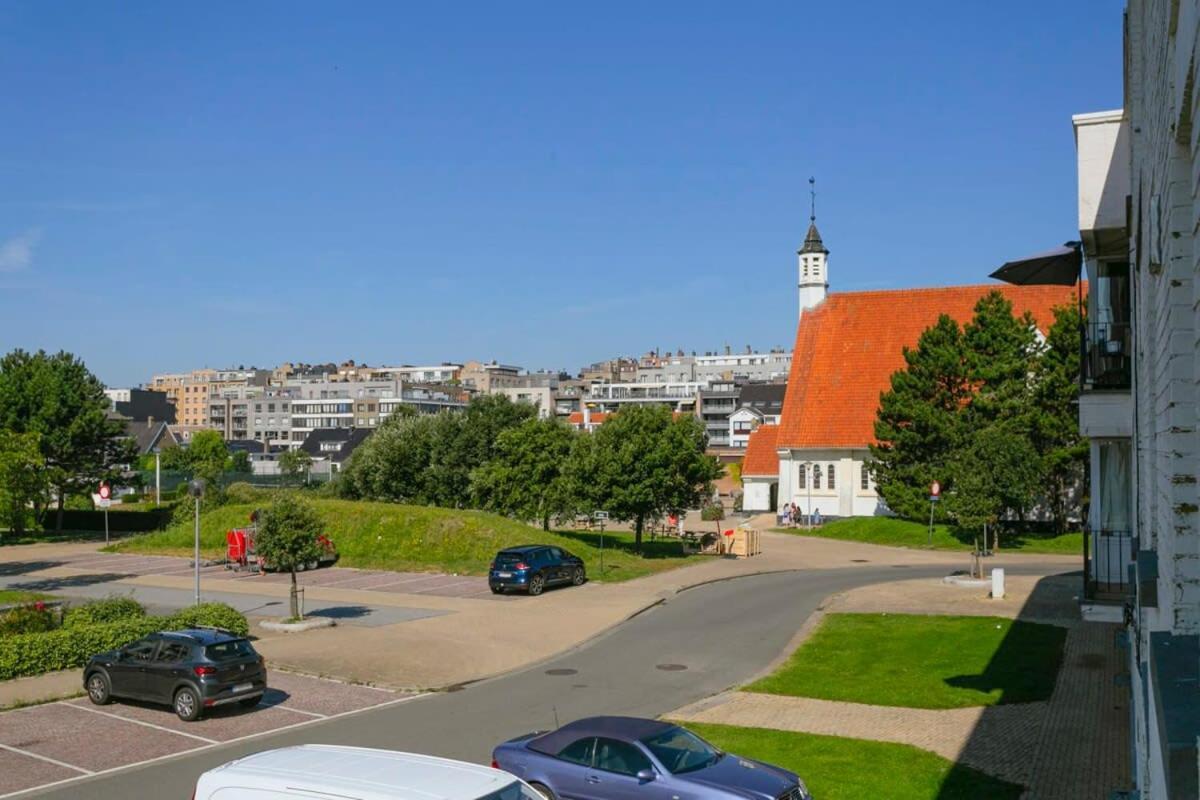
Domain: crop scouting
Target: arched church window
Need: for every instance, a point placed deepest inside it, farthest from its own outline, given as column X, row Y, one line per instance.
column 829, row 478
column 803, row 476
column 816, row 476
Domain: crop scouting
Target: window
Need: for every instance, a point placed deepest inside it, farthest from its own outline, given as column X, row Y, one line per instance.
column 514, row 791
column 141, row 650
column 228, row 651
column 865, row 479
column 803, row 476
column 681, row 751
column 621, row 758
column 579, row 752
column 830, row 483
column 258, row 407
column 172, row 652
column 816, row 476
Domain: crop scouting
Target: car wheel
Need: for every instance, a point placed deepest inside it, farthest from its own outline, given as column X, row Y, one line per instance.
column 301, row 566
column 314, row 565
column 578, row 576
column 536, row 584
column 187, row 704
column 249, row 702
column 98, row 690
column 497, row 590
column 544, row 791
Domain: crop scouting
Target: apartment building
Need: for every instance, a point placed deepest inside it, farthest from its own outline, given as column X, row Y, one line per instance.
column 190, row 390
column 487, row 378
column 258, row 413
column 319, row 405
column 773, row 365
column 679, row 395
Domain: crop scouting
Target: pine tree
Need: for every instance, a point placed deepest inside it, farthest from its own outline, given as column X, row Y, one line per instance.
column 1054, row 431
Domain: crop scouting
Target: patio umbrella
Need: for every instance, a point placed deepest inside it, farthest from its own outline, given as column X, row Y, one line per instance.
column 1057, row 267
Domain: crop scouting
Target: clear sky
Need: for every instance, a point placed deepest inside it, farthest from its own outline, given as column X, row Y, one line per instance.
column 215, row 184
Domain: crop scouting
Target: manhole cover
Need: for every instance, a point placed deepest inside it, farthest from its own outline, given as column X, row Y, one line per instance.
column 671, row 667
column 561, row 671
column 860, row 561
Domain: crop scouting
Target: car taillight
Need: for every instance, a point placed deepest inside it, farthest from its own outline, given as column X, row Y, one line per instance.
column 495, row 765
column 521, row 565
column 493, row 565
column 202, row 670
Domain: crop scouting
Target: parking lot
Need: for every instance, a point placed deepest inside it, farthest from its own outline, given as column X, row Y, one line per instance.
column 118, row 565
column 57, row 742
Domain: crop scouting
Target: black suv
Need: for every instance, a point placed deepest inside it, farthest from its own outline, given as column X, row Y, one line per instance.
column 192, row 671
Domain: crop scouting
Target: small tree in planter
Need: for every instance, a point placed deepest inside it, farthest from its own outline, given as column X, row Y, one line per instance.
column 287, row 538
column 714, row 512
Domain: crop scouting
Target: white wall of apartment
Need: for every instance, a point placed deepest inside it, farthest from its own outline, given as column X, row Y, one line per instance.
column 540, row 397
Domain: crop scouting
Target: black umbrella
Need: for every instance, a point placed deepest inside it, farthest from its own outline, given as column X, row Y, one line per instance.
column 1057, row 267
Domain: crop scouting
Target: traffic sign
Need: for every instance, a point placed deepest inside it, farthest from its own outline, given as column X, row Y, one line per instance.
column 105, row 492
column 935, row 489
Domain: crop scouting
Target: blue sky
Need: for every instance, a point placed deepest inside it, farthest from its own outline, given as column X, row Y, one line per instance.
column 187, row 185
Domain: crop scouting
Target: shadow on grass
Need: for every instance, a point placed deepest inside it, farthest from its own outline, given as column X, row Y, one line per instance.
column 656, row 549
column 1026, row 644
column 964, row 783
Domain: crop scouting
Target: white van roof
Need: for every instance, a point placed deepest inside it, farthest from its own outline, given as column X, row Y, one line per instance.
column 356, row 772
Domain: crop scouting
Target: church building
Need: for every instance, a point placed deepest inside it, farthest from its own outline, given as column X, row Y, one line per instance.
column 848, row 344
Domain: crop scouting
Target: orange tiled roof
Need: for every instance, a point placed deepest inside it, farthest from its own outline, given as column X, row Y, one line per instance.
column 761, row 458
column 848, row 347
column 597, row 417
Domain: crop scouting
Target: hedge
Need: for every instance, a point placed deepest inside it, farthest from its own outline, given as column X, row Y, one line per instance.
column 118, row 521
column 65, row 648
column 99, row 612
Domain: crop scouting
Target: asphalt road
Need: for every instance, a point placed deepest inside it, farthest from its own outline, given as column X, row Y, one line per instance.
column 722, row 633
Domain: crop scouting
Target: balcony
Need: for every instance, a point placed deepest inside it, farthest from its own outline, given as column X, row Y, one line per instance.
column 1108, row 356
column 1107, row 558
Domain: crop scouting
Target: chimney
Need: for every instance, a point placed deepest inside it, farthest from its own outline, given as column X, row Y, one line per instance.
column 728, row 350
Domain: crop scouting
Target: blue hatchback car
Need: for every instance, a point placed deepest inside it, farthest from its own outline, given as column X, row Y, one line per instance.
column 626, row 758
column 533, row 567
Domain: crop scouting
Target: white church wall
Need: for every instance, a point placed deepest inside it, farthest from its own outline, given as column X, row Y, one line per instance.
column 756, row 494
column 846, row 499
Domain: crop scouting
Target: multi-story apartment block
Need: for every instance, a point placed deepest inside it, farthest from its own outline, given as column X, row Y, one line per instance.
column 358, row 404
column 190, row 390
column 772, row 365
column 262, row 414
column 679, row 395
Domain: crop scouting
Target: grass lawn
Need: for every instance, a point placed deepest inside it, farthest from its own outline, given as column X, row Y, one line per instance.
column 906, row 533
column 853, row 769
column 423, row 539
column 922, row 661
column 10, row 597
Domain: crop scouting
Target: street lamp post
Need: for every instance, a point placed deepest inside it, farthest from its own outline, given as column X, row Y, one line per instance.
column 808, row 482
column 157, row 476
column 196, row 490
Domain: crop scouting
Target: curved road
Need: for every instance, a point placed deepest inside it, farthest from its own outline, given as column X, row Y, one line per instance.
column 723, row 633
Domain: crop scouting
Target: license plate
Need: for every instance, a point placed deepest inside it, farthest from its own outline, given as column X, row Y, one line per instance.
column 243, row 687
column 504, row 574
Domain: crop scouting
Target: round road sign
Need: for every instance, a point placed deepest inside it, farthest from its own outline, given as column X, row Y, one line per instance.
column 105, row 492
column 935, row 489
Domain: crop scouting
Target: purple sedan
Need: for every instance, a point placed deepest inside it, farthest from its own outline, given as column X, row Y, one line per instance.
column 625, row 758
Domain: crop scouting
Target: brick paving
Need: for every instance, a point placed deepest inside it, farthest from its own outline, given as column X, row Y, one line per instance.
column 1073, row 747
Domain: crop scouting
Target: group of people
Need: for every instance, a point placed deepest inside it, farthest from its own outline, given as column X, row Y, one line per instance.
column 791, row 515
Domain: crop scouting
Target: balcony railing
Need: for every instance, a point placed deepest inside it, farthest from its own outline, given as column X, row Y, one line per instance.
column 1107, row 557
column 1108, row 355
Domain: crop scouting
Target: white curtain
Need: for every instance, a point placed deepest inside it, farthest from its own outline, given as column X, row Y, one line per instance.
column 1113, row 491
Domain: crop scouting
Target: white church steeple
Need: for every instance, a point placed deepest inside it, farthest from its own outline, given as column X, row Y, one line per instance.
column 814, row 258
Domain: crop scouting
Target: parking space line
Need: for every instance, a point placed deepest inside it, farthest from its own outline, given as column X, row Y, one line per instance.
column 138, row 722
column 47, row 759
column 204, row 748
column 282, row 707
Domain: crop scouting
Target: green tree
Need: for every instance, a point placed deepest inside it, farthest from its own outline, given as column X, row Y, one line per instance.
column 57, row 398
column 287, row 538
column 919, row 425
column 642, row 462
column 295, row 464
column 22, row 478
column 207, row 456
column 239, row 462
column 1054, row 423
column 526, row 478
column 391, row 464
column 1000, row 352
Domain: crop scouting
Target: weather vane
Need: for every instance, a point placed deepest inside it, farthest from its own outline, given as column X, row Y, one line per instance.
column 812, row 191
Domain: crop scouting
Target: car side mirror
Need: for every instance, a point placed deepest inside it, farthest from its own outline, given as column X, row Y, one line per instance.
column 646, row 775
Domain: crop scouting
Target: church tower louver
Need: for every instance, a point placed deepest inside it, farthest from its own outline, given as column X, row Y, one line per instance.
column 814, row 259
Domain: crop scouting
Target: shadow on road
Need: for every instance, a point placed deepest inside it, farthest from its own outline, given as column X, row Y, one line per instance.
column 25, row 567
column 73, row 581
column 340, row 612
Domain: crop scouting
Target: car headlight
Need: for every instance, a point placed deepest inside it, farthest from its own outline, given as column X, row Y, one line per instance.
column 804, row 795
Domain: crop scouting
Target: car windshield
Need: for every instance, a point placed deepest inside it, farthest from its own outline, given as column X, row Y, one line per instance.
column 682, row 751
column 227, row 651
column 514, row 791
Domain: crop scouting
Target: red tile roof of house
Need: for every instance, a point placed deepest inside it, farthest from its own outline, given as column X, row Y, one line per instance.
column 596, row 417
column 761, row 458
column 848, row 347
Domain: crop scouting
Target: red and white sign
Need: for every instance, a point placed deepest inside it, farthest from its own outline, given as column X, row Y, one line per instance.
column 105, row 492
column 935, row 489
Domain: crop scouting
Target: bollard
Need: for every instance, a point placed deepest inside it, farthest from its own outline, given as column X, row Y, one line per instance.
column 997, row 583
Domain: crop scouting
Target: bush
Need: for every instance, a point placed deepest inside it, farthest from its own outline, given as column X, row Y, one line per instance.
column 34, row 618
column 110, row 609
column 241, row 492
column 35, row 653
column 211, row 615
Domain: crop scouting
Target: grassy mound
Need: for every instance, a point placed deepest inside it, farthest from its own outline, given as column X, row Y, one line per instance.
column 896, row 532
column 404, row 538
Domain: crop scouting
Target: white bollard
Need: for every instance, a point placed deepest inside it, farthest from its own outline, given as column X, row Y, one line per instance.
column 997, row 583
